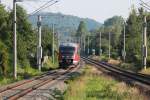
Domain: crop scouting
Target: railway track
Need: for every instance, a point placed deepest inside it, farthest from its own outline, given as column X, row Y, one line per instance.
column 19, row 90
column 135, row 78
column 24, row 82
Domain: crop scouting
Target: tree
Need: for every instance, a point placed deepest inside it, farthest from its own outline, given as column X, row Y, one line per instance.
column 82, row 29
column 47, row 40
column 81, row 34
column 114, row 25
column 133, row 37
column 4, row 39
column 26, row 38
column 4, row 29
column 3, row 58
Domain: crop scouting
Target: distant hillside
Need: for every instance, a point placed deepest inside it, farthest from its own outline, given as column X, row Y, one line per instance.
column 65, row 23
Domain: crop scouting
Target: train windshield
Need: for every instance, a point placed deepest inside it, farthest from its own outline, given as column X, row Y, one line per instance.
column 67, row 50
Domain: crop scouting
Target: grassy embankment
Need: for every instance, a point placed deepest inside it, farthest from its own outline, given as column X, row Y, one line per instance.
column 93, row 85
column 27, row 72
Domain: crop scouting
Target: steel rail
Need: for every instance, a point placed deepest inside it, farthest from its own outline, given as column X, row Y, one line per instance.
column 134, row 76
column 25, row 82
column 115, row 67
column 36, row 86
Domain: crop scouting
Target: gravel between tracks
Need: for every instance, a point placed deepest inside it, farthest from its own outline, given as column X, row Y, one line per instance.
column 17, row 89
column 50, row 90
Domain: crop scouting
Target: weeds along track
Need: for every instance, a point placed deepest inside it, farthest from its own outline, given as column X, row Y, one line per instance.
column 21, row 89
column 132, row 77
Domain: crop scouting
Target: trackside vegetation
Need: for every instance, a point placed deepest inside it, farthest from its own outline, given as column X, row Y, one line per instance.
column 94, row 85
column 27, row 40
column 28, row 72
column 114, row 26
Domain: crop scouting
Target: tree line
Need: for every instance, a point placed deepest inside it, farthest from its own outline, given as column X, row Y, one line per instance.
column 27, row 39
column 115, row 26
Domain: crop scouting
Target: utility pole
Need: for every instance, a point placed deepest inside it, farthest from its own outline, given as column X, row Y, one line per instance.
column 15, row 40
column 53, row 43
column 84, row 43
column 58, row 39
column 124, row 42
column 81, row 45
column 100, row 43
column 88, row 46
column 145, row 43
column 109, row 44
column 39, row 49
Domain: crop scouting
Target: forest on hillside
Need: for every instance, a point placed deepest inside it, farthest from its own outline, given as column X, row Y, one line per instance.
column 67, row 24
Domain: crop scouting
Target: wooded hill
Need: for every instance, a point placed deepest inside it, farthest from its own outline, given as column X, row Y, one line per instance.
column 64, row 23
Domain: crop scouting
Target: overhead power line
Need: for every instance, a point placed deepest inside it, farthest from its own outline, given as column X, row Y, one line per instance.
column 46, row 5
column 145, row 5
column 41, row 7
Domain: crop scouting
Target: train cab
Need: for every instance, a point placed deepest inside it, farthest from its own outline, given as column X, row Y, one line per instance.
column 68, row 54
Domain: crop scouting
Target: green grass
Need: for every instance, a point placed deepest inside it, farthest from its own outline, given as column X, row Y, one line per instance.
column 147, row 71
column 128, row 66
column 104, row 58
column 27, row 72
column 93, row 86
column 100, row 58
column 49, row 65
column 4, row 81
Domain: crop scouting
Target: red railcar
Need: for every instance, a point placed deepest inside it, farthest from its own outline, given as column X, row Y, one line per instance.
column 69, row 54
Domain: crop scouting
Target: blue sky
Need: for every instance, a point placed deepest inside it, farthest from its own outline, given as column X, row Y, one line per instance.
column 99, row 10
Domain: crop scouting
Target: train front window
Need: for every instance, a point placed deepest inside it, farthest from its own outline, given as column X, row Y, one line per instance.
column 67, row 50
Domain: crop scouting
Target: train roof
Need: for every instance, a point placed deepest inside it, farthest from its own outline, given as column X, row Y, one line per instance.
column 68, row 44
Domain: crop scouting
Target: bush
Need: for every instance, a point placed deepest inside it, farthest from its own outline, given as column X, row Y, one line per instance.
column 49, row 65
column 114, row 55
column 148, row 60
column 4, row 61
column 130, row 66
column 104, row 58
column 3, row 58
column 126, row 65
